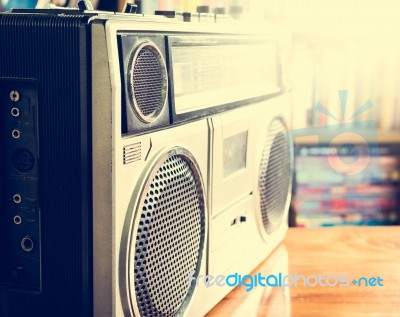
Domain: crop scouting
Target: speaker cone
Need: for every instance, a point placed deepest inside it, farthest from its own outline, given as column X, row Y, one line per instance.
column 275, row 177
column 167, row 237
column 148, row 82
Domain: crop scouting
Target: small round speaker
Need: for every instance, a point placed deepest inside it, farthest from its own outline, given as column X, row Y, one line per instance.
column 148, row 82
column 275, row 176
column 166, row 238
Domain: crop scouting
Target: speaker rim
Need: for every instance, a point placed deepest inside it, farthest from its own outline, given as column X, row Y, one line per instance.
column 155, row 114
column 264, row 234
column 132, row 218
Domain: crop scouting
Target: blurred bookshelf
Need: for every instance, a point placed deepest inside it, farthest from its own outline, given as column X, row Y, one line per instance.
column 347, row 184
column 347, row 149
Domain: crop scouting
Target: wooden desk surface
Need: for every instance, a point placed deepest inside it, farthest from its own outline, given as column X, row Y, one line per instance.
column 355, row 251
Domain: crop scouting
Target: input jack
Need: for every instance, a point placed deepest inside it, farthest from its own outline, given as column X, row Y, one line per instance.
column 27, row 244
column 14, row 95
column 17, row 220
column 15, row 112
column 16, row 134
column 17, row 198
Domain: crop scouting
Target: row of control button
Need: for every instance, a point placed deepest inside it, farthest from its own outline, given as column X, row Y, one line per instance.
column 202, row 15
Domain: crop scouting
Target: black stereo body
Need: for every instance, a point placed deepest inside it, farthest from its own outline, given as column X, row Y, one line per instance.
column 136, row 152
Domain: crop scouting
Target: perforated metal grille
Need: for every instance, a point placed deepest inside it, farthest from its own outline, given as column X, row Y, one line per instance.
column 275, row 175
column 169, row 238
column 148, row 82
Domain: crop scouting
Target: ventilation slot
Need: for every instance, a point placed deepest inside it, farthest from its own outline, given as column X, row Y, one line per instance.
column 132, row 153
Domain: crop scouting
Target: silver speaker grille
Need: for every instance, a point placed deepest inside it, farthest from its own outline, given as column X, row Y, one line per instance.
column 148, row 82
column 169, row 238
column 275, row 175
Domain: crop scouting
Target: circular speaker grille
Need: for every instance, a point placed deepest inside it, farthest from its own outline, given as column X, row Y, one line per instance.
column 148, row 80
column 275, row 175
column 168, row 238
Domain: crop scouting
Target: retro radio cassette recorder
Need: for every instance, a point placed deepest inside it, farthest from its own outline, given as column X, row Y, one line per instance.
column 136, row 151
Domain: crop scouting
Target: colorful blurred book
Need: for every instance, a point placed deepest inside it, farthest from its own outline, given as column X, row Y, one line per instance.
column 326, row 197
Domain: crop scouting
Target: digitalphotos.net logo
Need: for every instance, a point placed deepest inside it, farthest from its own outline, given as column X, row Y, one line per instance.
column 282, row 281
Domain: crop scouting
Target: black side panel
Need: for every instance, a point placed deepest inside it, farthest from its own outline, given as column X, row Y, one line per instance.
column 49, row 51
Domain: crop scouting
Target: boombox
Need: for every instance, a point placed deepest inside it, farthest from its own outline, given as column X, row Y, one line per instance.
column 138, row 154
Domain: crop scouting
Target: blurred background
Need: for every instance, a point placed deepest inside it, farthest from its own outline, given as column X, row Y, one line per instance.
column 345, row 74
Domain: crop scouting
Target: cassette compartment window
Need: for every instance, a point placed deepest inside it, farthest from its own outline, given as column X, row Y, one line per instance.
column 235, row 149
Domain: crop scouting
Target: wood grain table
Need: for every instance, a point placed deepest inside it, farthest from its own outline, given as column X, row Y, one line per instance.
column 358, row 252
